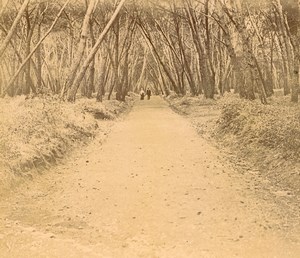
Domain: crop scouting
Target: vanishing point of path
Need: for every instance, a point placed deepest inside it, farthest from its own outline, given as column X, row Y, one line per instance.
column 154, row 188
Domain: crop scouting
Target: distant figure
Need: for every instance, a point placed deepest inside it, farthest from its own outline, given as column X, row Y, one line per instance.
column 148, row 92
column 142, row 93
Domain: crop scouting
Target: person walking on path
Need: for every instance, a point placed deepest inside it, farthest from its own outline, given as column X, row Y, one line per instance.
column 142, row 94
column 148, row 92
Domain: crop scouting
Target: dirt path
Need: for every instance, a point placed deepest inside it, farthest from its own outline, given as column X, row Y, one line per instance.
column 153, row 189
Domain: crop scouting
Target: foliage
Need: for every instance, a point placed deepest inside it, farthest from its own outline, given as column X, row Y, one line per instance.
column 259, row 137
column 38, row 131
column 181, row 46
column 274, row 126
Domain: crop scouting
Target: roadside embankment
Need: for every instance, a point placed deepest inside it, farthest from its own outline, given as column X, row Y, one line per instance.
column 261, row 137
column 38, row 132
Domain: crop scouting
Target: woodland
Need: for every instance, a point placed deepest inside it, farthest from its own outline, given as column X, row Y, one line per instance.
column 60, row 60
column 206, row 167
column 207, row 47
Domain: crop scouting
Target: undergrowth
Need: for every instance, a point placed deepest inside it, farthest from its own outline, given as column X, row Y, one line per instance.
column 275, row 126
column 267, row 137
column 37, row 132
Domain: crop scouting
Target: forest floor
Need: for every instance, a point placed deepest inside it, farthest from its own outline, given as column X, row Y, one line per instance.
column 154, row 188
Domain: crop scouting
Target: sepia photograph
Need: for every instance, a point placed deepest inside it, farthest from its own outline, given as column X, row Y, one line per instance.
column 149, row 129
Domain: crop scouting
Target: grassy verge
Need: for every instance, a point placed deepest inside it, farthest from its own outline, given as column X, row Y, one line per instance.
column 266, row 137
column 36, row 133
column 202, row 112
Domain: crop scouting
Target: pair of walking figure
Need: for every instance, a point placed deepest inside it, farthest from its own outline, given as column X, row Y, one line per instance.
column 148, row 93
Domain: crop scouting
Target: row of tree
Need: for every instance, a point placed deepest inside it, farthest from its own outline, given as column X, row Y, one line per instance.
column 186, row 46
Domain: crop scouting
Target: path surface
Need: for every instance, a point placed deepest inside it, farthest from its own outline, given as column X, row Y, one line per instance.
column 153, row 189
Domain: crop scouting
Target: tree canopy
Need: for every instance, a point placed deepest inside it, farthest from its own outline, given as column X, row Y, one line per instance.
column 186, row 46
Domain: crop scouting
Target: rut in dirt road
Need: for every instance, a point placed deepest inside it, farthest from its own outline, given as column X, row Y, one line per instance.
column 153, row 189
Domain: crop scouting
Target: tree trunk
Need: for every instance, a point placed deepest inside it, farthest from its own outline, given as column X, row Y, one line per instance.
column 13, row 27
column 295, row 31
column 117, row 84
column 91, row 82
column 81, row 47
column 10, row 83
column 30, row 28
column 125, row 81
column 39, row 61
column 207, row 82
column 139, row 81
column 88, row 60
column 157, row 56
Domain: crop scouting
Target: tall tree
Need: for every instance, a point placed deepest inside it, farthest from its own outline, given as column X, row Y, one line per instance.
column 292, row 8
column 27, row 59
column 13, row 27
column 81, row 45
column 89, row 58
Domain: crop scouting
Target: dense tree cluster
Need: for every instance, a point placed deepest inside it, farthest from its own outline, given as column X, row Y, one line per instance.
column 186, row 46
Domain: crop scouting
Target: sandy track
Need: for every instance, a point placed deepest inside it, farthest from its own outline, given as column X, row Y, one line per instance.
column 153, row 189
